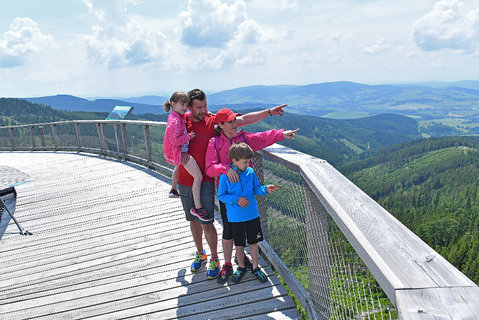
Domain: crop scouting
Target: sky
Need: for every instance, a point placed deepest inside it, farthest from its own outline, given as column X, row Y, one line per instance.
column 126, row 48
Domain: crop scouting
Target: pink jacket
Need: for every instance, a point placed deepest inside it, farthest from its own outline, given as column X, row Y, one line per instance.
column 175, row 137
column 217, row 160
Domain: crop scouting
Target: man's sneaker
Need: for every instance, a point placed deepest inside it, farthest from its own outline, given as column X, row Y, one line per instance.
column 225, row 272
column 200, row 260
column 259, row 274
column 173, row 194
column 213, row 269
column 201, row 213
column 247, row 262
column 238, row 274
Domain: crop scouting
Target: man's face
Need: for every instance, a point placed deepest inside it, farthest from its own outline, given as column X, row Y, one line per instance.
column 198, row 109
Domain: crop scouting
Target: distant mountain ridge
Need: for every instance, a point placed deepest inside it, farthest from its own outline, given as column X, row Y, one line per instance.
column 147, row 100
column 342, row 99
column 72, row 103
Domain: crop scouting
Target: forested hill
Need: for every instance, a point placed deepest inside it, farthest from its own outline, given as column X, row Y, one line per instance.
column 18, row 111
column 337, row 140
column 431, row 186
column 330, row 139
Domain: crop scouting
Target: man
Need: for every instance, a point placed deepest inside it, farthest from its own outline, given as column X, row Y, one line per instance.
column 202, row 124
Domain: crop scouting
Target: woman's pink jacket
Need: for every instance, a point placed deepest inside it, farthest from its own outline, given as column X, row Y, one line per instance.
column 217, row 160
column 175, row 137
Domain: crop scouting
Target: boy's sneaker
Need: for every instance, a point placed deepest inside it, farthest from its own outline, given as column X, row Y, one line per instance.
column 201, row 213
column 247, row 262
column 200, row 260
column 259, row 274
column 238, row 274
column 173, row 194
column 213, row 269
column 225, row 272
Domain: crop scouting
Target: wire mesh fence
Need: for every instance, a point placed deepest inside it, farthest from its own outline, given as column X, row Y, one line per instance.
column 22, row 138
column 310, row 244
column 64, row 134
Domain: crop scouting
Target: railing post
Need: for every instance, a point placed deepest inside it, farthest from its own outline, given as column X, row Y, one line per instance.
column 78, row 134
column 318, row 253
column 263, row 214
column 117, row 138
column 124, row 138
column 54, row 134
column 33, row 137
column 149, row 149
column 42, row 137
column 12, row 138
column 101, row 138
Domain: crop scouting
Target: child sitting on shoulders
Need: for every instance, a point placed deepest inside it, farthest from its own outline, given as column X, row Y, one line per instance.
column 175, row 148
column 242, row 208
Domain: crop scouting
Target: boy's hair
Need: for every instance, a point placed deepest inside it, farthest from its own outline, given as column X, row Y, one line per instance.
column 176, row 97
column 240, row 150
column 196, row 94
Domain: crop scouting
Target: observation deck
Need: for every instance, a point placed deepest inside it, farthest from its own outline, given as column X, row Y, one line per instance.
column 108, row 243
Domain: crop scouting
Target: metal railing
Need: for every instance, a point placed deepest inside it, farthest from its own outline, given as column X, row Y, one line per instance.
column 340, row 253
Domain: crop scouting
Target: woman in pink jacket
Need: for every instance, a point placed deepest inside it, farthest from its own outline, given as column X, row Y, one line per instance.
column 175, row 148
column 217, row 163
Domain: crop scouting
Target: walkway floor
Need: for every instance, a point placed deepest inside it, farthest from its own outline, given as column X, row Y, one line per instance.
column 108, row 243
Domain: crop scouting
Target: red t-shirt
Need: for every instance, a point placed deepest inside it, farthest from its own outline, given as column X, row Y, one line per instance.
column 197, row 147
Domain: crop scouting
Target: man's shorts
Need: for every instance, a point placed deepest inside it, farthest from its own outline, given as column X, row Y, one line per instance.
column 248, row 229
column 227, row 227
column 207, row 195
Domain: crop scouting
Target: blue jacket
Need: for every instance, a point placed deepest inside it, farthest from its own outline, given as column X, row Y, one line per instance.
column 248, row 186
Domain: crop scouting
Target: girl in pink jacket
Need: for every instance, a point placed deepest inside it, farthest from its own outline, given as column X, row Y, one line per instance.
column 217, row 162
column 175, row 148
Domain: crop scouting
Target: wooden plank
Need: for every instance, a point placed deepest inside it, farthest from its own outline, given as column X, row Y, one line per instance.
column 251, row 309
column 115, row 296
column 438, row 303
column 100, row 243
column 195, row 305
column 291, row 313
column 49, row 240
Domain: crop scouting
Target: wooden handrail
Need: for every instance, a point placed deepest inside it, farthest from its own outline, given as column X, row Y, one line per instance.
column 417, row 279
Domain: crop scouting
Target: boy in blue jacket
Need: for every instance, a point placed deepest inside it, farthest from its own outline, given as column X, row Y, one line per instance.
column 242, row 208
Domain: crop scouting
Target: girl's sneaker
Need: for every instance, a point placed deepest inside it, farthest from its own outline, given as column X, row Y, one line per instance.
column 225, row 272
column 201, row 213
column 259, row 275
column 238, row 274
column 173, row 193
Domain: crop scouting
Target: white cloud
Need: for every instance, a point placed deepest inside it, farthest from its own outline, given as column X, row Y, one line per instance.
column 121, row 40
column 23, row 39
column 377, row 48
column 224, row 33
column 294, row 4
column 448, row 26
column 211, row 23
